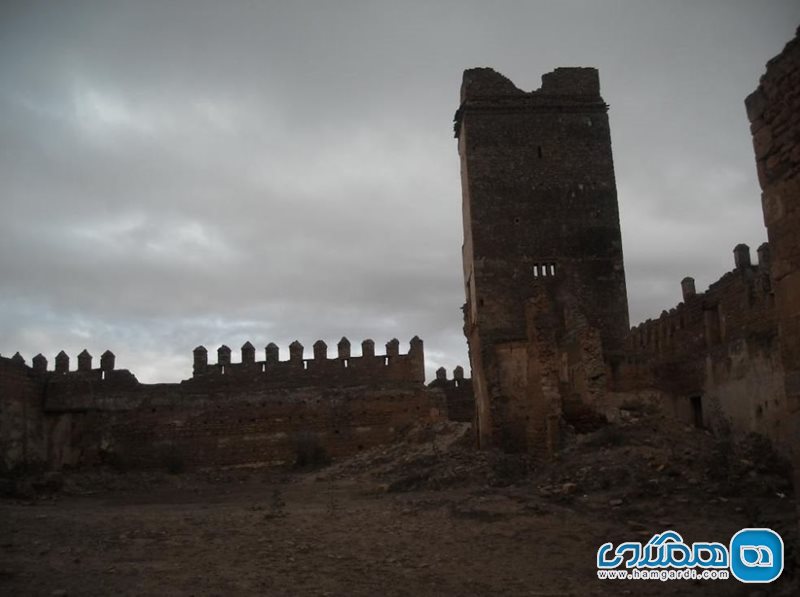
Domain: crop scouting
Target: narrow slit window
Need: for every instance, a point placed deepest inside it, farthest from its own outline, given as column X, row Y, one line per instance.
column 552, row 269
column 539, row 151
column 346, row 363
column 536, row 271
column 385, row 361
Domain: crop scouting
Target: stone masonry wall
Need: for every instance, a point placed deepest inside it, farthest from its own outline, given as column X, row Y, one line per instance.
column 344, row 369
column 774, row 113
column 21, row 421
column 458, row 394
column 540, row 215
column 227, row 414
column 232, row 425
column 714, row 359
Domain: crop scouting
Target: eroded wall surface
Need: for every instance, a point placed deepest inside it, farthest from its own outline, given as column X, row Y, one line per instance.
column 540, row 219
column 729, row 358
column 249, row 412
column 22, row 428
column 774, row 113
column 714, row 359
column 458, row 393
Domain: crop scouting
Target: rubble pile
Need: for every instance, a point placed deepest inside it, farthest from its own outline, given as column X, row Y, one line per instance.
column 644, row 466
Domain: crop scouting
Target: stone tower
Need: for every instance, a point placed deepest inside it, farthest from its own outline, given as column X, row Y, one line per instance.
column 540, row 220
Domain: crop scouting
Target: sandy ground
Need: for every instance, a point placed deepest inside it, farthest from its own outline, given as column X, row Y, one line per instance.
column 420, row 518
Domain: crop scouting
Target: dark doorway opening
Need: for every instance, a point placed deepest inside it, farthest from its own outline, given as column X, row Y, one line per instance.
column 697, row 411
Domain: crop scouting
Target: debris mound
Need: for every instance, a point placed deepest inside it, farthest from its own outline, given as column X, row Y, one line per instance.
column 434, row 456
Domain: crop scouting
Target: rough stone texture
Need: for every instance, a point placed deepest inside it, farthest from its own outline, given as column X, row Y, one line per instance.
column 22, row 435
column 540, row 219
column 729, row 358
column 229, row 424
column 714, row 359
column 107, row 361
column 458, row 394
column 247, row 413
column 546, row 310
column 319, row 370
column 774, row 113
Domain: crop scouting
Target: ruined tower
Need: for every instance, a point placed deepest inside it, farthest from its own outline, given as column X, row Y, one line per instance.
column 541, row 237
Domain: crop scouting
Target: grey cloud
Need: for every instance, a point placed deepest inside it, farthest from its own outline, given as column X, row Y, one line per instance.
column 192, row 173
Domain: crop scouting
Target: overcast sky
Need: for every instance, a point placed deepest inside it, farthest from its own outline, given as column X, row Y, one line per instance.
column 184, row 173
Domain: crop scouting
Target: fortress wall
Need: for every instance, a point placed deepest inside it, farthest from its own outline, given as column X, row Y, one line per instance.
column 714, row 359
column 344, row 369
column 22, row 427
column 458, row 394
column 227, row 414
column 736, row 347
column 774, row 113
column 229, row 425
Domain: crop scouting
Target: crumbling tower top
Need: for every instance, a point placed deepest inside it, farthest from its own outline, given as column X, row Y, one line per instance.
column 567, row 86
column 564, row 81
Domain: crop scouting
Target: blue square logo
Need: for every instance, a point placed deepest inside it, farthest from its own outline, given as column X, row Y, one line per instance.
column 756, row 555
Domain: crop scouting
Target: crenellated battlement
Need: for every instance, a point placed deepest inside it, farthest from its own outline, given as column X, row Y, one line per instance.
column 319, row 370
column 343, row 369
column 84, row 370
column 458, row 393
column 736, row 305
column 261, row 408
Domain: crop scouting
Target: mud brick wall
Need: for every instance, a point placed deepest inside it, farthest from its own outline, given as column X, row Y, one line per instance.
column 458, row 394
column 539, row 200
column 228, row 414
column 715, row 355
column 225, row 424
column 539, row 208
column 22, row 429
column 344, row 369
column 774, row 113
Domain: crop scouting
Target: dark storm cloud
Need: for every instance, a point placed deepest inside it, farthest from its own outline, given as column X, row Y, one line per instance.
column 183, row 173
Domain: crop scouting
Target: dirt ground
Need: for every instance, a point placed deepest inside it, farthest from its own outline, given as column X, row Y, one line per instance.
column 427, row 516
